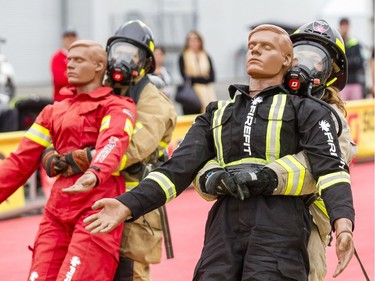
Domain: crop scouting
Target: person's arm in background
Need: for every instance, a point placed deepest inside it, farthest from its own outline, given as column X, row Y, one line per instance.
column 181, row 67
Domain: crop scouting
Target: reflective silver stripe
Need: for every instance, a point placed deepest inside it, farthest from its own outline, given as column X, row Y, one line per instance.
column 217, row 130
column 165, row 183
column 257, row 161
column 331, row 179
column 296, row 174
column 274, row 127
column 39, row 134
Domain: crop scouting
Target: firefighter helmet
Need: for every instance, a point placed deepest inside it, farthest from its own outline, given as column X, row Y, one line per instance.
column 322, row 34
column 139, row 35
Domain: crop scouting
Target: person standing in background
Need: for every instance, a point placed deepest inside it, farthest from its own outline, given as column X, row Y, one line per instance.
column 196, row 65
column 354, row 89
column 59, row 64
column 161, row 71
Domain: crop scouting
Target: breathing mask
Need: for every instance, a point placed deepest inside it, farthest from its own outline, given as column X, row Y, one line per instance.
column 125, row 62
column 311, row 64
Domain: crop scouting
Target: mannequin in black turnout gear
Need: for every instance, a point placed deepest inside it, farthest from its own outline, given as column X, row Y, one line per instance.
column 130, row 62
column 320, row 58
column 261, row 237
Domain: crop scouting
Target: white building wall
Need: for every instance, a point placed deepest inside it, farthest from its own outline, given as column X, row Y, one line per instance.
column 33, row 28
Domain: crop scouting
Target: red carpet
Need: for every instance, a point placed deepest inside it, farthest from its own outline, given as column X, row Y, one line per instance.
column 187, row 215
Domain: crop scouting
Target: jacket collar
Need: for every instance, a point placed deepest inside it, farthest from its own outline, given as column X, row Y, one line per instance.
column 244, row 90
column 98, row 93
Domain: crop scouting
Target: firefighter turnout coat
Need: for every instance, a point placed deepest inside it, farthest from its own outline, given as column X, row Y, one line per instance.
column 156, row 120
column 253, row 132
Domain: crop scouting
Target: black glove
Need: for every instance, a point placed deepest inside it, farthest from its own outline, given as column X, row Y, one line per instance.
column 220, row 182
column 263, row 182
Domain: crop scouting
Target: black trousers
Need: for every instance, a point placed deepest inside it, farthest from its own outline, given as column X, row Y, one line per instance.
column 258, row 239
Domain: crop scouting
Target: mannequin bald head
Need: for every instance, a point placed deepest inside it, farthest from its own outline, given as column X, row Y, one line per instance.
column 87, row 63
column 269, row 56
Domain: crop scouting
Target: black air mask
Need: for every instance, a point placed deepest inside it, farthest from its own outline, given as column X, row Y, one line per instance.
column 125, row 62
column 312, row 66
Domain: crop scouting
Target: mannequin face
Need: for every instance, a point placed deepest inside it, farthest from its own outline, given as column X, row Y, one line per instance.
column 265, row 58
column 81, row 69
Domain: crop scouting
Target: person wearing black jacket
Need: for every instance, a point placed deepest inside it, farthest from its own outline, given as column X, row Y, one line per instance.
column 196, row 65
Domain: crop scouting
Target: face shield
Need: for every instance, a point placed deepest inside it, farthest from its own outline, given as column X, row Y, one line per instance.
column 125, row 61
column 314, row 60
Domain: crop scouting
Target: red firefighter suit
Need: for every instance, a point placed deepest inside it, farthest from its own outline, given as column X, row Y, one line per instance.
column 63, row 250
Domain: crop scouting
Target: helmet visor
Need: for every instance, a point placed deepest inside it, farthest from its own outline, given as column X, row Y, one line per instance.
column 314, row 59
column 126, row 53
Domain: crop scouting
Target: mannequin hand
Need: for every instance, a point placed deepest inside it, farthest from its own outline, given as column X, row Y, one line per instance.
column 112, row 214
column 344, row 244
column 85, row 183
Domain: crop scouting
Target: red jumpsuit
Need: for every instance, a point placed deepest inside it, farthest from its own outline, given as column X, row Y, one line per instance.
column 59, row 77
column 63, row 250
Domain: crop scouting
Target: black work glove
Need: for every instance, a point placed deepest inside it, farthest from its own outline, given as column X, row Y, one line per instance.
column 51, row 163
column 263, row 182
column 77, row 161
column 219, row 182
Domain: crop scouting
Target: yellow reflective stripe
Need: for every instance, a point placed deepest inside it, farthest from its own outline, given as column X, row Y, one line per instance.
column 331, row 179
column 163, row 144
column 217, row 130
column 162, row 149
column 296, row 174
column 122, row 165
column 128, row 128
column 352, row 42
column 329, row 83
column 138, row 126
column 105, row 123
column 340, row 44
column 320, row 204
column 246, row 161
column 39, row 134
column 131, row 184
column 274, row 127
column 165, row 183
